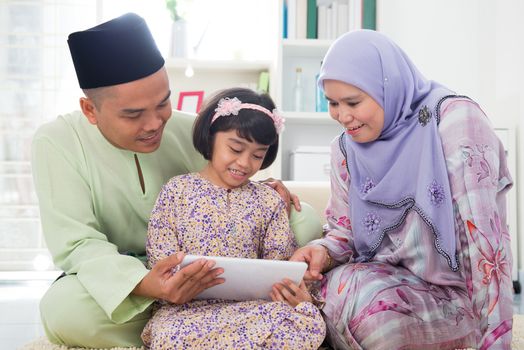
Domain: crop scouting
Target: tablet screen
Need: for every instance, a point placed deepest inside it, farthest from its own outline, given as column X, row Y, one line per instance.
column 248, row 279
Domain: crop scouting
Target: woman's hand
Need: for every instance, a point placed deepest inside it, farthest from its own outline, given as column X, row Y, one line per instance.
column 182, row 286
column 288, row 197
column 289, row 292
column 317, row 259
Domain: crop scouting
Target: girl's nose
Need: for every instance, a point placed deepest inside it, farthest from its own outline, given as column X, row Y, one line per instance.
column 243, row 160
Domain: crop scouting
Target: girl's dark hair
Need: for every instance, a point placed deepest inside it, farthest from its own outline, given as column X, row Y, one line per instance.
column 250, row 124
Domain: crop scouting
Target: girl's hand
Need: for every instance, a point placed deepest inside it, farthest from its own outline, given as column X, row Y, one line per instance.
column 181, row 286
column 317, row 258
column 290, row 293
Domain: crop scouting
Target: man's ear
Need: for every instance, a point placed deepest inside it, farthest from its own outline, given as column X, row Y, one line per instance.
column 89, row 110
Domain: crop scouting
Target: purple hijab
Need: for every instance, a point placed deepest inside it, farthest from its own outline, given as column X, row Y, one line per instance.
column 404, row 169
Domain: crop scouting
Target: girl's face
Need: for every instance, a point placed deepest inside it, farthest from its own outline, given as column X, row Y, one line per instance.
column 355, row 110
column 234, row 160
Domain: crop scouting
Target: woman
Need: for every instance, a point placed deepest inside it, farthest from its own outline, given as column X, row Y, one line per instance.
column 416, row 253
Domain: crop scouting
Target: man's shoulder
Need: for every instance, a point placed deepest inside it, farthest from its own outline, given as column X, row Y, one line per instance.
column 62, row 126
column 181, row 122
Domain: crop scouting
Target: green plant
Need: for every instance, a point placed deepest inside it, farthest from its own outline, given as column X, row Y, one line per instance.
column 177, row 8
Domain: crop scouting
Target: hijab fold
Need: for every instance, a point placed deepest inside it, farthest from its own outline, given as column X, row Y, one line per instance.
column 404, row 169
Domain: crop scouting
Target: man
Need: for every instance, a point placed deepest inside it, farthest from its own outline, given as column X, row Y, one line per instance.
column 97, row 175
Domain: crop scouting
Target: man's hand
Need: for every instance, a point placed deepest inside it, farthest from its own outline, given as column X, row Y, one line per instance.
column 288, row 197
column 317, row 259
column 178, row 288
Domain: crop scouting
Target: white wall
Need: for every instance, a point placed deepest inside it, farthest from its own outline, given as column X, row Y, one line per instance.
column 475, row 47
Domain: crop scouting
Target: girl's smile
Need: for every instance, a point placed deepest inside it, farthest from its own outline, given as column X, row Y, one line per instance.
column 234, row 160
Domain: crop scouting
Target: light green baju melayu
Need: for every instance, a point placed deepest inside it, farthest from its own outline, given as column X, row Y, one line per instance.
column 94, row 217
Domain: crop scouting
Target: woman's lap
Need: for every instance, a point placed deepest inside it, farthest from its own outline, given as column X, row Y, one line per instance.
column 371, row 302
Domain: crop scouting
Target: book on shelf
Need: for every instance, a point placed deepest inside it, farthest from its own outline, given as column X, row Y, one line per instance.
column 342, row 18
column 301, row 21
column 284, row 20
column 296, row 21
column 322, row 22
column 355, row 14
column 291, row 24
column 312, row 19
column 369, row 14
column 327, row 19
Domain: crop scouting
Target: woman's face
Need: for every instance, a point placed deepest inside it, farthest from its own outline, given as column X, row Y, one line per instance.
column 355, row 110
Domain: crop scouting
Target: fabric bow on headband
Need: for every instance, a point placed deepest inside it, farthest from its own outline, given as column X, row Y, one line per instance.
column 231, row 106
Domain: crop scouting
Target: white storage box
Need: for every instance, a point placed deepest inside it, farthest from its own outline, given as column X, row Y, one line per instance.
column 310, row 163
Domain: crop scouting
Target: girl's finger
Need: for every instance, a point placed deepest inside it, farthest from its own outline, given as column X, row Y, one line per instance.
column 288, row 295
column 303, row 286
column 278, row 295
column 291, row 286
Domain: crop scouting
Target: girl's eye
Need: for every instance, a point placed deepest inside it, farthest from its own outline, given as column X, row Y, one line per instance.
column 235, row 150
column 257, row 157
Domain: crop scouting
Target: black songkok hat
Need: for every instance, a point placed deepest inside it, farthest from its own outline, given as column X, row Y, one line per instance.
column 115, row 52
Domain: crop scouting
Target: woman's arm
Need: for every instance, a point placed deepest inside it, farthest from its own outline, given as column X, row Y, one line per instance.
column 337, row 245
column 338, row 237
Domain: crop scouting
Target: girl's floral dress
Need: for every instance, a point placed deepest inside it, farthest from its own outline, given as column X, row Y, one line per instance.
column 194, row 216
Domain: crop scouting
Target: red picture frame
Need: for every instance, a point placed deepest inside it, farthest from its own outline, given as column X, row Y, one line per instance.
column 190, row 101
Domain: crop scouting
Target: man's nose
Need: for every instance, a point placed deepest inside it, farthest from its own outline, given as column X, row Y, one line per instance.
column 154, row 121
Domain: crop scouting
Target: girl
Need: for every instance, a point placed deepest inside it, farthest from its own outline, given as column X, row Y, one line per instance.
column 220, row 212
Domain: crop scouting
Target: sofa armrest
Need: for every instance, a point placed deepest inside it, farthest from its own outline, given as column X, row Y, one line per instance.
column 315, row 193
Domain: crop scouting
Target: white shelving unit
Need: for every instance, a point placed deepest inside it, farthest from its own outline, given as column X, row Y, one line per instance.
column 210, row 76
column 307, row 128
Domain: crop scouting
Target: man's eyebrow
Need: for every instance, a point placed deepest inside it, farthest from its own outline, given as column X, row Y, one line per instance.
column 137, row 110
column 132, row 110
column 166, row 98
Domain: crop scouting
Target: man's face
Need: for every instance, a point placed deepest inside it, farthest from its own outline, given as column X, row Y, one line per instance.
column 132, row 116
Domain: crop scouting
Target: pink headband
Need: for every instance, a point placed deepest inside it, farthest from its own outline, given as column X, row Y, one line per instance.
column 231, row 106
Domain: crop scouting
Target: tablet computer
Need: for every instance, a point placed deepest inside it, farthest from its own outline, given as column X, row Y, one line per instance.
column 248, row 279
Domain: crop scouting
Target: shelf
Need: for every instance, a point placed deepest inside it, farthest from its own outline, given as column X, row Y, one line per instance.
column 308, row 118
column 220, row 65
column 305, row 47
